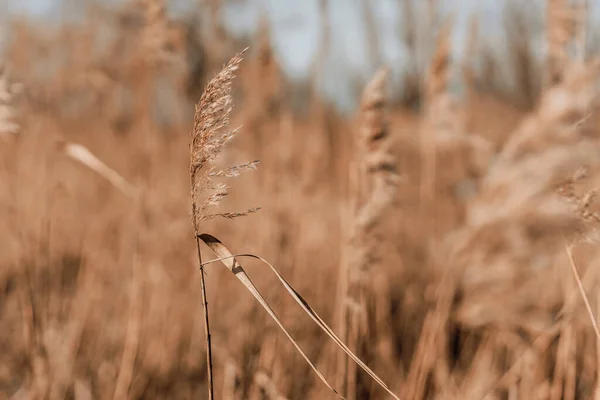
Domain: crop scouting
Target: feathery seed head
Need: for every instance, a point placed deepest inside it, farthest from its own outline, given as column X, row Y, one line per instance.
column 209, row 137
column 8, row 90
column 212, row 115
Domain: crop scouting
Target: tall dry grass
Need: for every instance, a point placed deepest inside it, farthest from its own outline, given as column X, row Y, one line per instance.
column 458, row 234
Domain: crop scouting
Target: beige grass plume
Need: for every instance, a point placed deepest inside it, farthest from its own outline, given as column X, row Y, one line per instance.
column 510, row 253
column 378, row 163
column 375, row 190
column 8, row 91
column 209, row 137
column 158, row 37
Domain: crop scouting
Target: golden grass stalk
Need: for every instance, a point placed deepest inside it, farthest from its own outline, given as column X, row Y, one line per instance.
column 581, row 289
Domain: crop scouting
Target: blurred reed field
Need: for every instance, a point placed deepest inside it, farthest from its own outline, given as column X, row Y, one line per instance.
column 449, row 239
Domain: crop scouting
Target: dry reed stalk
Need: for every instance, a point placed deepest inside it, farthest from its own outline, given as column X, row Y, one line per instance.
column 62, row 347
column 480, row 374
column 422, row 360
column 527, row 384
column 511, row 375
column 562, row 355
column 375, row 188
column 207, row 142
column 584, row 296
column 39, row 366
column 134, row 322
column 570, row 392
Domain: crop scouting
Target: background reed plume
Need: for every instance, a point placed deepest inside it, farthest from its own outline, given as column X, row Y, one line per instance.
column 8, row 114
column 375, row 179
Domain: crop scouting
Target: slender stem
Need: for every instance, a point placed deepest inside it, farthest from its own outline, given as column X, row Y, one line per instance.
column 209, row 366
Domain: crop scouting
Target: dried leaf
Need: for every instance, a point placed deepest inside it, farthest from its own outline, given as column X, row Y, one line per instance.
column 229, row 260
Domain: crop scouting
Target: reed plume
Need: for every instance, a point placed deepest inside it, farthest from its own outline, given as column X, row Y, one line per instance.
column 517, row 213
column 209, row 137
column 158, row 37
column 8, row 91
column 375, row 186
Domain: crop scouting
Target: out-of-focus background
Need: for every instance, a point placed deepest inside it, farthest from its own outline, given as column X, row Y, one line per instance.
column 439, row 214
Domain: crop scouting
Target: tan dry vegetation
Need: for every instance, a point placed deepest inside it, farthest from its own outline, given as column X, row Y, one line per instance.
column 437, row 244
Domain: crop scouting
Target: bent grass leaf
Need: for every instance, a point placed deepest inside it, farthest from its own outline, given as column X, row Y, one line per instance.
column 230, row 261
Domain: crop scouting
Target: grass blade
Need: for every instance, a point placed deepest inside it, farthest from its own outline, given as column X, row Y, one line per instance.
column 81, row 154
column 230, row 261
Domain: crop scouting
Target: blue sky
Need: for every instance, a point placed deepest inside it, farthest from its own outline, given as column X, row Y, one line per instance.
column 296, row 30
